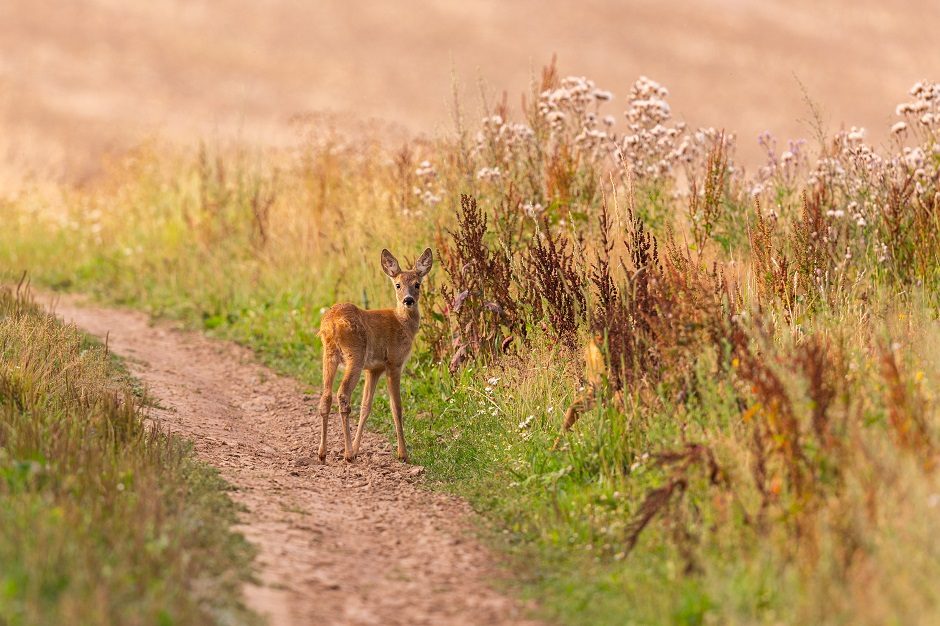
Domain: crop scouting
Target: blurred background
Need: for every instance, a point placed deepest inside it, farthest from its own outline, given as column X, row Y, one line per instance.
column 86, row 78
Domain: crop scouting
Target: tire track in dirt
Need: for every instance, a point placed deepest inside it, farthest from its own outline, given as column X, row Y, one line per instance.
column 338, row 543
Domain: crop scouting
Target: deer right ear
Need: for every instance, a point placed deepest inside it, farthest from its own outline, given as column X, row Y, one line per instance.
column 390, row 264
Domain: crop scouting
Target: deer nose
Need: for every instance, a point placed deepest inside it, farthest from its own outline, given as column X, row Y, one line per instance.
column 408, row 301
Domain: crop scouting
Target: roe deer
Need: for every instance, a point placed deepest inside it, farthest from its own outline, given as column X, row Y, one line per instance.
column 376, row 341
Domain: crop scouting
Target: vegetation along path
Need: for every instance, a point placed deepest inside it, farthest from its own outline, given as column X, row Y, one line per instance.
column 338, row 543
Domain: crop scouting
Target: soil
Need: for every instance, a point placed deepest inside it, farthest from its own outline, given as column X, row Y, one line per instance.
column 339, row 543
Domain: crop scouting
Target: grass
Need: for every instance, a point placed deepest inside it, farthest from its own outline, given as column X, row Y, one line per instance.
column 758, row 437
column 105, row 519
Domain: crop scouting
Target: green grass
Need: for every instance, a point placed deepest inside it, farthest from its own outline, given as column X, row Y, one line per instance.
column 105, row 520
column 855, row 548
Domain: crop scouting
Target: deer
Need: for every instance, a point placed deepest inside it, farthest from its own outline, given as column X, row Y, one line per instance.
column 375, row 341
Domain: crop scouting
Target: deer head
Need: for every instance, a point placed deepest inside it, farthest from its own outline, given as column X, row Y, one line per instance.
column 407, row 283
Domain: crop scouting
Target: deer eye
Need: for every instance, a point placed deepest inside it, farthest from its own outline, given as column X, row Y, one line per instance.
column 397, row 285
column 417, row 285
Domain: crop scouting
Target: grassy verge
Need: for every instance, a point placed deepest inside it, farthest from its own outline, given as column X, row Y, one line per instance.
column 754, row 358
column 104, row 519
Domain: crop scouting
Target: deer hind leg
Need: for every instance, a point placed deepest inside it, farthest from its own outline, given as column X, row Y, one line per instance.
column 394, row 393
column 326, row 398
column 350, row 378
column 368, row 392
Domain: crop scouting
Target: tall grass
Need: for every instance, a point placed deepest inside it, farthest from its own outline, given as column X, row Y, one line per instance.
column 739, row 370
column 104, row 519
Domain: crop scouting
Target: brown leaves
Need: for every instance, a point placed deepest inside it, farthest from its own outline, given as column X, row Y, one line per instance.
column 484, row 312
column 663, row 500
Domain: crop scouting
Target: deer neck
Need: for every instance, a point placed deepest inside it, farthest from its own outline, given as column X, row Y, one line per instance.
column 409, row 318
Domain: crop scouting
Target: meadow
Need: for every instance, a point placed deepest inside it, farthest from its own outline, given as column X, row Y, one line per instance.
column 748, row 360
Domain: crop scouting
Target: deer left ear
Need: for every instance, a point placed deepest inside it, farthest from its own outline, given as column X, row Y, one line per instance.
column 423, row 265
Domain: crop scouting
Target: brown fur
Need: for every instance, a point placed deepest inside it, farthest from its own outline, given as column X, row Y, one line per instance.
column 374, row 341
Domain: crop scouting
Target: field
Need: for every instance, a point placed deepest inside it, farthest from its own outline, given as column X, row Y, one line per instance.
column 747, row 360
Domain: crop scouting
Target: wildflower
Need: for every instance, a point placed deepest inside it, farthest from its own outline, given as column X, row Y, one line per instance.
column 856, row 134
column 899, row 128
column 425, row 170
column 493, row 380
column 489, row 173
column 532, row 210
column 883, row 253
column 524, row 424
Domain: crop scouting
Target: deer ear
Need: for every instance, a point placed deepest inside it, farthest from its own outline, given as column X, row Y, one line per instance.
column 423, row 265
column 390, row 264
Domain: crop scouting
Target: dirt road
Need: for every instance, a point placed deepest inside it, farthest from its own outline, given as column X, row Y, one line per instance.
column 339, row 543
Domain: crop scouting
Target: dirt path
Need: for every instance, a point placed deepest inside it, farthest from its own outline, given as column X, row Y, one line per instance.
column 339, row 543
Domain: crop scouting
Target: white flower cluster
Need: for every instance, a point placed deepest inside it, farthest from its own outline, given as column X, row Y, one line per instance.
column 654, row 145
column 568, row 124
column 923, row 112
column 783, row 169
column 425, row 190
column 533, row 209
column 491, row 174
column 500, row 144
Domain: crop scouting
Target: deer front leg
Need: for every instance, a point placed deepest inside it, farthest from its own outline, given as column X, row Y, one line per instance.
column 368, row 392
column 394, row 393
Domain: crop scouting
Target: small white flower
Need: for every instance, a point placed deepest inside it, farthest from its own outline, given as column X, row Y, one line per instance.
column 856, row 134
column 532, row 210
